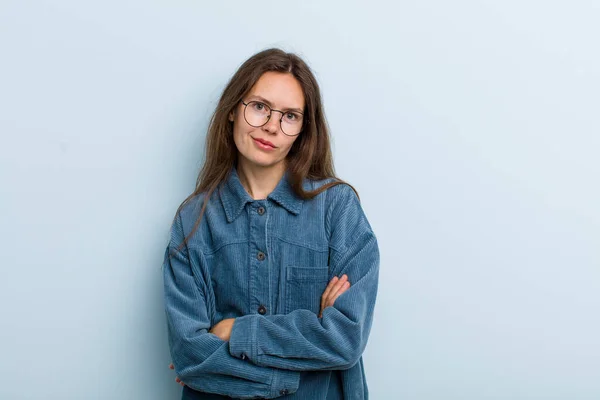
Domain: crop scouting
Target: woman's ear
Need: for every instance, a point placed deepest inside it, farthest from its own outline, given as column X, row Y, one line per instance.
column 231, row 116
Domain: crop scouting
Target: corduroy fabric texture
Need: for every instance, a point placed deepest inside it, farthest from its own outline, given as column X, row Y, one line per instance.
column 266, row 263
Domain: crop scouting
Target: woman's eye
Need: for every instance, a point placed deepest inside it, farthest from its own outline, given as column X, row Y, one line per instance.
column 292, row 116
column 259, row 106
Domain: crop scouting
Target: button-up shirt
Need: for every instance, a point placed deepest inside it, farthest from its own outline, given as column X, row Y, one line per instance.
column 266, row 263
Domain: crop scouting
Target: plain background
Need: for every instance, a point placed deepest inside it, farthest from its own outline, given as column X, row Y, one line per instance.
column 470, row 129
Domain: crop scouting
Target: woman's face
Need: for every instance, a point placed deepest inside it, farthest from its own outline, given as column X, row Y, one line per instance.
column 279, row 91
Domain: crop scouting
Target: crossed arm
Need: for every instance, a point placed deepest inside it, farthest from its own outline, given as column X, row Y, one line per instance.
column 334, row 289
column 262, row 355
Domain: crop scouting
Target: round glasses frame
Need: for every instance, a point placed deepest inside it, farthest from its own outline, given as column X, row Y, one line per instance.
column 269, row 117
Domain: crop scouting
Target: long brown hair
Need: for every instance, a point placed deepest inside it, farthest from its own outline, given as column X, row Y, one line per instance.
column 310, row 155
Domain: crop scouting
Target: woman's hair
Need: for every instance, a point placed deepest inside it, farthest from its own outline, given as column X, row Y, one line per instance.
column 310, row 155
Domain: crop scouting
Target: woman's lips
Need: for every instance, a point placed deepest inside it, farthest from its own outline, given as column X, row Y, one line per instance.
column 263, row 145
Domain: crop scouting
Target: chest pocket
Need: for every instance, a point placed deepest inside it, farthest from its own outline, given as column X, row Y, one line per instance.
column 304, row 287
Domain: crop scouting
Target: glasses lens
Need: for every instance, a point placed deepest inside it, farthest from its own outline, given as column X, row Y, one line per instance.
column 257, row 113
column 291, row 123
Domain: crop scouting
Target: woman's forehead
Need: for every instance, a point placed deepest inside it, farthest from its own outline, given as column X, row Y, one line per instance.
column 279, row 90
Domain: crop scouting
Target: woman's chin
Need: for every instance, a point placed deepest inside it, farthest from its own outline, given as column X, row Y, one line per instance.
column 262, row 162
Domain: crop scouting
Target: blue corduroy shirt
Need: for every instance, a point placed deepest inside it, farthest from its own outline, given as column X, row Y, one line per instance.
column 266, row 263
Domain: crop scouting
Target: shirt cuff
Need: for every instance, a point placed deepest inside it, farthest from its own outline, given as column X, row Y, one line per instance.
column 242, row 341
column 284, row 382
column 243, row 344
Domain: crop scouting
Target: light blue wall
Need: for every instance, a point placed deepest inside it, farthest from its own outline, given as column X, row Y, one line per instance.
column 470, row 128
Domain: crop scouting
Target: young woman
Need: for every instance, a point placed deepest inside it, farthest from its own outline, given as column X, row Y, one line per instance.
column 271, row 272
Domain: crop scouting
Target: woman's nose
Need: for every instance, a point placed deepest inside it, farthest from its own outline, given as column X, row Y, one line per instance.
column 272, row 124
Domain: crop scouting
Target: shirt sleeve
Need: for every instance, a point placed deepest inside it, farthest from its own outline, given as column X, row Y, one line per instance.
column 302, row 341
column 201, row 359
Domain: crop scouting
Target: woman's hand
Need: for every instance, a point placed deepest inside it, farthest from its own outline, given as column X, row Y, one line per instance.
column 332, row 292
column 223, row 329
column 171, row 366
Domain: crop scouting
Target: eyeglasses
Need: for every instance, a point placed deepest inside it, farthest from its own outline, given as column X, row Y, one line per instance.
column 258, row 114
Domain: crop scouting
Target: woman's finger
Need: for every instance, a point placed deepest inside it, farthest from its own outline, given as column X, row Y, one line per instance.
column 337, row 286
column 333, row 297
column 171, row 366
column 332, row 282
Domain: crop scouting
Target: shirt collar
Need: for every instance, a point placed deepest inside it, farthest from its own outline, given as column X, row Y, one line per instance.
column 234, row 197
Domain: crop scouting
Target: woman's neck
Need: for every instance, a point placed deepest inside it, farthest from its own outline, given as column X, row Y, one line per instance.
column 259, row 181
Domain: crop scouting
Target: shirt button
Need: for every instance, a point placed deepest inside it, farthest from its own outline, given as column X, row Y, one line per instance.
column 260, row 256
column 261, row 210
column 283, row 392
column 243, row 356
column 262, row 310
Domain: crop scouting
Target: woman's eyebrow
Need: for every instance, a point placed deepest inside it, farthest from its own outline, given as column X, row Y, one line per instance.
column 267, row 102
